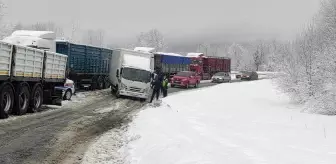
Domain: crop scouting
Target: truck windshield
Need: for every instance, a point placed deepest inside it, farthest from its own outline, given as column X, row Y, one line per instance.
column 136, row 75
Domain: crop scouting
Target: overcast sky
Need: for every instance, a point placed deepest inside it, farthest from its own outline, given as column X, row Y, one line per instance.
column 177, row 19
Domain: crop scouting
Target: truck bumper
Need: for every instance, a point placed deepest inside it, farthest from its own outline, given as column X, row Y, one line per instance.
column 134, row 94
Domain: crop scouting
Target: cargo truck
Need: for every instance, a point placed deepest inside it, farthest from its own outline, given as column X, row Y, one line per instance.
column 171, row 63
column 88, row 66
column 29, row 74
column 130, row 73
column 207, row 66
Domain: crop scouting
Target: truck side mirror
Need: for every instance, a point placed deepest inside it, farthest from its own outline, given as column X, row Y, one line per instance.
column 117, row 73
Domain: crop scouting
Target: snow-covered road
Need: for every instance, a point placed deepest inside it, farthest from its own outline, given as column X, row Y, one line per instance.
column 228, row 123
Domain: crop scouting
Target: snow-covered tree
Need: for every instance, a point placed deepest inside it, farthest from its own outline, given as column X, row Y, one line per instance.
column 153, row 38
column 310, row 65
column 259, row 55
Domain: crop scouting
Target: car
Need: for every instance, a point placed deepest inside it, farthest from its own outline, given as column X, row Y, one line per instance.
column 221, row 77
column 68, row 89
column 185, row 79
column 249, row 75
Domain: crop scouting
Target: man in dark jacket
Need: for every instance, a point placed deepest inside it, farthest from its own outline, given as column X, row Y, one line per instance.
column 156, row 84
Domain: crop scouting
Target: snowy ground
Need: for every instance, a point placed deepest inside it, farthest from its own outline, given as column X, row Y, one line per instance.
column 229, row 123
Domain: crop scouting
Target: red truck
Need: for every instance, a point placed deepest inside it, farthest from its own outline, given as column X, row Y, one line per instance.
column 207, row 66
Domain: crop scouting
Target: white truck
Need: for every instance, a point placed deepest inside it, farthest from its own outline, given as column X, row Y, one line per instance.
column 30, row 75
column 130, row 73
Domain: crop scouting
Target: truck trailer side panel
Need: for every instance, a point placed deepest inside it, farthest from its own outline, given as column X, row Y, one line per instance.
column 5, row 59
column 172, row 64
column 88, row 65
column 28, row 62
column 55, row 66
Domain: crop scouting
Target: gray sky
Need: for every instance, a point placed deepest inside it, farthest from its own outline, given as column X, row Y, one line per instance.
column 177, row 19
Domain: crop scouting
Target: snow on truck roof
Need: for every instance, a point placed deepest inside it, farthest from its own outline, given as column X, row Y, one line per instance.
column 168, row 53
column 144, row 49
column 137, row 61
column 194, row 54
column 38, row 34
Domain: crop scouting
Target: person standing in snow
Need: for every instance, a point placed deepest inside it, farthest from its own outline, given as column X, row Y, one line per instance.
column 165, row 86
column 156, row 84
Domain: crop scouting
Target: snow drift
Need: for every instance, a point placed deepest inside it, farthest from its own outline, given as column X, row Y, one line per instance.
column 246, row 122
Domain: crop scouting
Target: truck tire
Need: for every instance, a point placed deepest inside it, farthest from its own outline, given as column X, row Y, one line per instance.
column 106, row 83
column 100, row 83
column 22, row 97
column 6, row 100
column 117, row 94
column 36, row 99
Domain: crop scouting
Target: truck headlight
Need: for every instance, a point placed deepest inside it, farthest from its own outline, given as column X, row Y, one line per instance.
column 122, row 86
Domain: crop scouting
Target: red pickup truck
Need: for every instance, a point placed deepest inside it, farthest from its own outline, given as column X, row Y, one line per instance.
column 185, row 79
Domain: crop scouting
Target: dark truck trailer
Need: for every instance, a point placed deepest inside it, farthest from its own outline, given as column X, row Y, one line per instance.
column 28, row 79
column 88, row 66
column 171, row 64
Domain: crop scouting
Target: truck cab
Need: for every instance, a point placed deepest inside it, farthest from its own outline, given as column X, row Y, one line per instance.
column 130, row 73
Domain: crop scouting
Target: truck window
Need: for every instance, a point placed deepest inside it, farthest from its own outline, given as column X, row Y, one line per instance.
column 136, row 75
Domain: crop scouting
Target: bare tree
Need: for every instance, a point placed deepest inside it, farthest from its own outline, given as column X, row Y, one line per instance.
column 94, row 37
column 44, row 26
column 100, row 39
column 5, row 29
column 74, row 30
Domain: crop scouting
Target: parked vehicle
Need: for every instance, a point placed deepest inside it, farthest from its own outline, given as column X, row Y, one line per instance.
column 221, row 77
column 171, row 63
column 185, row 79
column 88, row 66
column 68, row 89
column 207, row 66
column 130, row 73
column 249, row 75
column 29, row 74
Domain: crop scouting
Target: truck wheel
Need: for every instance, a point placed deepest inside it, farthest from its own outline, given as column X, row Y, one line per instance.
column 22, row 98
column 106, row 83
column 36, row 99
column 67, row 95
column 100, row 83
column 6, row 100
column 172, row 85
column 117, row 94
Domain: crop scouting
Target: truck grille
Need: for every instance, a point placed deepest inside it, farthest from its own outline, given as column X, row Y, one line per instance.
column 134, row 89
